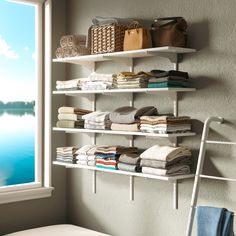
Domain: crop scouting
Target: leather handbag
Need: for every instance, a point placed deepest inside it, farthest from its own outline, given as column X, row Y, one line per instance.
column 137, row 37
column 169, row 31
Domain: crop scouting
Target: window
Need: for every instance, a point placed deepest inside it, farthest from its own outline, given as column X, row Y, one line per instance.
column 22, row 173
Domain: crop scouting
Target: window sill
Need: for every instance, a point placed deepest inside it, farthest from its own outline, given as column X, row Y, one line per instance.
column 23, row 195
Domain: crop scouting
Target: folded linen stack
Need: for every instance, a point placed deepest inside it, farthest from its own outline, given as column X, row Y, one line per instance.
column 165, row 124
column 71, row 117
column 168, row 79
column 127, row 118
column 73, row 84
column 125, row 80
column 71, row 46
column 97, row 120
column 98, row 81
column 86, row 155
column 107, row 156
column 129, row 162
column 67, row 154
column 166, row 161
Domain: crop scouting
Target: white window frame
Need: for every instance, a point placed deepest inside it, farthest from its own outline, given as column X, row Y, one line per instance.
column 41, row 187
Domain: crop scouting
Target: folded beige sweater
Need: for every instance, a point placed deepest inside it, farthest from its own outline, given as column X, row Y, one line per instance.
column 165, row 153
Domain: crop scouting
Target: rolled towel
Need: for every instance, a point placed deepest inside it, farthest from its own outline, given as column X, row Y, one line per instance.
column 59, row 53
column 73, row 40
column 72, row 51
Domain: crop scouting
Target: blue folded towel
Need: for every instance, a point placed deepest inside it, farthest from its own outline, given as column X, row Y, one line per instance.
column 212, row 221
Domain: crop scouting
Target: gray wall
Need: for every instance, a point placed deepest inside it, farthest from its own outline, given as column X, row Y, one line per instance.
column 40, row 212
column 212, row 69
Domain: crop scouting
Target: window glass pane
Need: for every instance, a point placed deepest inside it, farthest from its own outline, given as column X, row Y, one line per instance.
column 17, row 93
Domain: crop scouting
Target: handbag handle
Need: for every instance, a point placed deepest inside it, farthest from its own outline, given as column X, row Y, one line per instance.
column 170, row 20
column 134, row 25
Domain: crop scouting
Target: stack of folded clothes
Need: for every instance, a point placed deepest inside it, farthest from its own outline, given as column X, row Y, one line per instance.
column 168, row 79
column 129, row 162
column 71, row 46
column 127, row 118
column 67, row 154
column 166, row 161
column 71, row 117
column 107, row 156
column 125, row 80
column 86, row 155
column 165, row 124
column 98, row 82
column 97, row 120
column 73, row 84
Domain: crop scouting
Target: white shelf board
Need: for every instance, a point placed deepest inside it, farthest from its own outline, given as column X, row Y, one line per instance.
column 136, row 174
column 115, row 91
column 149, row 52
column 76, row 130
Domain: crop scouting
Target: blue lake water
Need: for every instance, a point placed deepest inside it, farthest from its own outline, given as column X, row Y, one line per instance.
column 17, row 142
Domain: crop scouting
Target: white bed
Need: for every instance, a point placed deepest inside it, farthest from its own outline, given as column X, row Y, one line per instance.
column 58, row 230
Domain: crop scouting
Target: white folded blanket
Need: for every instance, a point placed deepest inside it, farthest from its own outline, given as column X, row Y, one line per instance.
column 165, row 153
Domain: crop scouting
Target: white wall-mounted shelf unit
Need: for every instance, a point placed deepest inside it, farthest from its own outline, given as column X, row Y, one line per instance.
column 127, row 57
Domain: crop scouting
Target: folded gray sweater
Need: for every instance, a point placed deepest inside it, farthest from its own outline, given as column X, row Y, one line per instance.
column 128, row 115
column 165, row 164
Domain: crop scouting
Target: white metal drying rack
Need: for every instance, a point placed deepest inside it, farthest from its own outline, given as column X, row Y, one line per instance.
column 199, row 175
column 127, row 57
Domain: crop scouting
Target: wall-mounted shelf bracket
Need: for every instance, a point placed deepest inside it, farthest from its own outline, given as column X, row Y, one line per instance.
column 173, row 141
column 173, row 58
column 126, row 60
column 175, row 194
column 130, row 98
column 131, row 187
column 94, row 186
column 90, row 65
column 174, row 97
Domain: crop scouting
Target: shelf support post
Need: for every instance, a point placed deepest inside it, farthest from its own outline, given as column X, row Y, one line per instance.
column 131, row 186
column 175, row 194
column 175, row 103
column 94, row 187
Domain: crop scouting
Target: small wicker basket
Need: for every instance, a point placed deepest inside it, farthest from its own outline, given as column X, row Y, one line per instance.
column 107, row 38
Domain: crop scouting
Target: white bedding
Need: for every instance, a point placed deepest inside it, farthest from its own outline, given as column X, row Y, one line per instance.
column 58, row 230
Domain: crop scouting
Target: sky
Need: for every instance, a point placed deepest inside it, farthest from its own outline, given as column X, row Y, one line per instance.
column 17, row 50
